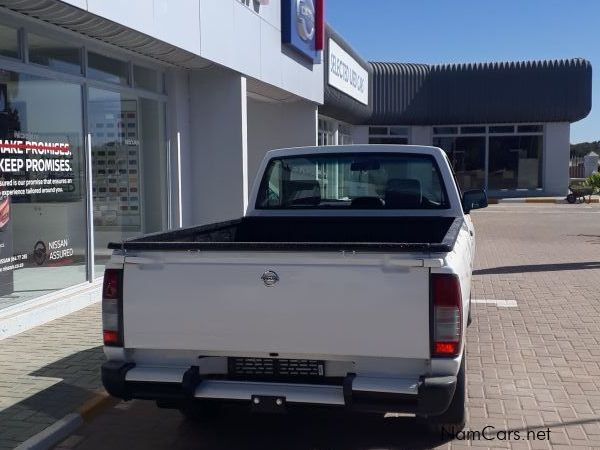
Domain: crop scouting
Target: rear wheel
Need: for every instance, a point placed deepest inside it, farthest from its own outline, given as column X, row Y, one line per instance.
column 454, row 418
column 469, row 319
column 571, row 198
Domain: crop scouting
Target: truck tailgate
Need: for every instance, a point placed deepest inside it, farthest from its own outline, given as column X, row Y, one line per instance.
column 331, row 304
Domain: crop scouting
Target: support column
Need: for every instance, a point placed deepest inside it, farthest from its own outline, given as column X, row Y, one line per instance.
column 178, row 125
column 555, row 177
column 421, row 135
column 274, row 125
column 217, row 168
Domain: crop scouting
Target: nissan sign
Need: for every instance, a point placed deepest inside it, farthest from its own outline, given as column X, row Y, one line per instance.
column 300, row 23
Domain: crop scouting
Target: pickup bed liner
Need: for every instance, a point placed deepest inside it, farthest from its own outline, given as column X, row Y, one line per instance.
column 398, row 234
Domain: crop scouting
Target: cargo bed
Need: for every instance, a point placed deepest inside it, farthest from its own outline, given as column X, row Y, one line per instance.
column 397, row 234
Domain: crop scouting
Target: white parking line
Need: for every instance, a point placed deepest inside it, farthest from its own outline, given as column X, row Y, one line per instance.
column 498, row 303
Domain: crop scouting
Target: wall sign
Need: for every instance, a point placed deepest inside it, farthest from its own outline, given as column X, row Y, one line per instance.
column 346, row 74
column 301, row 20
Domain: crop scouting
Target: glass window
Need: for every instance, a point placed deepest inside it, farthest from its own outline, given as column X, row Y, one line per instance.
column 399, row 131
column 42, row 189
column 530, row 129
column 445, row 130
column 378, row 130
column 388, row 135
column 145, row 78
column 502, row 129
column 472, row 130
column 361, row 180
column 388, row 140
column 515, row 162
column 326, row 134
column 54, row 54
column 107, row 69
column 127, row 168
column 9, row 42
column 345, row 135
column 467, row 157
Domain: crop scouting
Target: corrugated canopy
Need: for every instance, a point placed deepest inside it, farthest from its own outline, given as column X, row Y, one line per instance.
column 531, row 91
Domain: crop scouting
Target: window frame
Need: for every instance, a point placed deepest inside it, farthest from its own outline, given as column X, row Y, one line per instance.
column 388, row 136
column 488, row 134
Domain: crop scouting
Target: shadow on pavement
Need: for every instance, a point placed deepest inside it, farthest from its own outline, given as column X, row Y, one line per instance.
column 307, row 430
column 538, row 268
column 76, row 378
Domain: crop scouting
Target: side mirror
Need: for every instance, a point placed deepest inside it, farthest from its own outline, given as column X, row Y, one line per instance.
column 475, row 199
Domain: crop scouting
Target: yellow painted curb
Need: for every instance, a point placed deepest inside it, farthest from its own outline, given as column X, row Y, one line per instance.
column 95, row 405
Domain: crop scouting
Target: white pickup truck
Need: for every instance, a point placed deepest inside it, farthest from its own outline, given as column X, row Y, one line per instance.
column 346, row 284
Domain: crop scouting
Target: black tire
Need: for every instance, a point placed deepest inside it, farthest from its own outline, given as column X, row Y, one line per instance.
column 571, row 198
column 453, row 419
column 200, row 411
column 469, row 318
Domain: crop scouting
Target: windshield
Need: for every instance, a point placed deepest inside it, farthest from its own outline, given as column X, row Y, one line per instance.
column 357, row 180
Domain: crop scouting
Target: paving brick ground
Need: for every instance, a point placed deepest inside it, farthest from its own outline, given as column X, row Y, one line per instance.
column 537, row 364
column 530, row 368
column 48, row 372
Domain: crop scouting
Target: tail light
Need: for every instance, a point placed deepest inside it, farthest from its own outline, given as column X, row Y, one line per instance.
column 447, row 315
column 112, row 307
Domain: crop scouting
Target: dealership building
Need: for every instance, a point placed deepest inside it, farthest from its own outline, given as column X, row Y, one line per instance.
column 118, row 120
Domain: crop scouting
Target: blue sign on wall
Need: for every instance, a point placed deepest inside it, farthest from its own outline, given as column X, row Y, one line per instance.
column 299, row 26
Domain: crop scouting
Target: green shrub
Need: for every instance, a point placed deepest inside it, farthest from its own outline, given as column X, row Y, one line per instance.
column 594, row 181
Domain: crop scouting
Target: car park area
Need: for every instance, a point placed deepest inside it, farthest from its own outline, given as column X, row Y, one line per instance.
column 533, row 357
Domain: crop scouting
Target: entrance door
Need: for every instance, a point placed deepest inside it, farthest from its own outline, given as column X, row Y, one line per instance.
column 128, row 168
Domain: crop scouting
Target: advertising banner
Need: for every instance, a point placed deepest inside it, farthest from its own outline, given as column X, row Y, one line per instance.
column 31, row 165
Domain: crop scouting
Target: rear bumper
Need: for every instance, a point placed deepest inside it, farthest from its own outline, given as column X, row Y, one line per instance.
column 422, row 397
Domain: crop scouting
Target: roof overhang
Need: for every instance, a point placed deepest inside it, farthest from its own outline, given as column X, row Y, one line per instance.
column 83, row 22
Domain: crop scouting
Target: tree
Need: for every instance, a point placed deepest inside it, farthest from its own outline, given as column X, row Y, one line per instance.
column 584, row 148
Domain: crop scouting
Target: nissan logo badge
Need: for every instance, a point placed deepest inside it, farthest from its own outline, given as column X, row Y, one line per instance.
column 305, row 10
column 270, row 278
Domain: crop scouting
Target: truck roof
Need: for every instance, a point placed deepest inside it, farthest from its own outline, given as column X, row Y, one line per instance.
column 362, row 148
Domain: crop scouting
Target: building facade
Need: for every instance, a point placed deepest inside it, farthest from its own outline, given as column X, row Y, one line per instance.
column 119, row 121
column 504, row 126
column 123, row 120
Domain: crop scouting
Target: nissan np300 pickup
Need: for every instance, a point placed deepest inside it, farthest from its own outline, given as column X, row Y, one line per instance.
column 347, row 284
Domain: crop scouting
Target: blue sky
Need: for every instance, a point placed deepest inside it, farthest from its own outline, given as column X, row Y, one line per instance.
column 444, row 31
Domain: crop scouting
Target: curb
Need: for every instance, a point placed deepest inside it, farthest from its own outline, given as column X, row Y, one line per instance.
column 64, row 427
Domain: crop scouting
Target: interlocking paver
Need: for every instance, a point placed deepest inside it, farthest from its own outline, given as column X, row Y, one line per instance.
column 48, row 372
column 547, row 259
